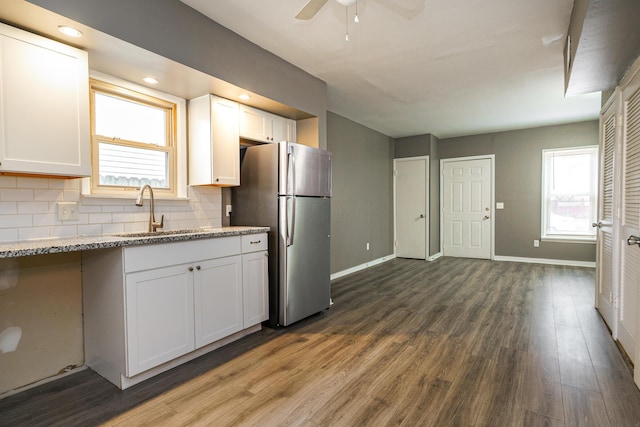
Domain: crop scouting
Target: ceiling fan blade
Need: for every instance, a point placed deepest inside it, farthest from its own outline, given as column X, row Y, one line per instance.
column 310, row 9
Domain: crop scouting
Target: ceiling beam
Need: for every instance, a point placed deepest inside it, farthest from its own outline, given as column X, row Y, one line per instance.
column 603, row 41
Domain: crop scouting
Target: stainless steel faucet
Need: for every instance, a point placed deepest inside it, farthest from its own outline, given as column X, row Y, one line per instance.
column 153, row 225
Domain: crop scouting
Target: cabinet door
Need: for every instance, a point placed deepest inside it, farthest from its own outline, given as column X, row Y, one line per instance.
column 44, row 106
column 279, row 128
column 255, row 285
column 292, row 136
column 225, row 143
column 218, row 299
column 159, row 316
column 254, row 124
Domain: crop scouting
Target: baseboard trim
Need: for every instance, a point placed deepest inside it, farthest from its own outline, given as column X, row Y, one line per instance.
column 361, row 267
column 434, row 256
column 568, row 263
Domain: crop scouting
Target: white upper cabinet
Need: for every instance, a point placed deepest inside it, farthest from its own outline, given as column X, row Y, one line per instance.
column 44, row 106
column 281, row 129
column 214, row 142
column 253, row 124
column 258, row 125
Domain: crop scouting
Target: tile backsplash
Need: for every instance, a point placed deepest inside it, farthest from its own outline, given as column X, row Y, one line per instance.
column 28, row 210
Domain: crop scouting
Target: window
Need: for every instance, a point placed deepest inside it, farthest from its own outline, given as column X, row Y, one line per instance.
column 133, row 141
column 569, row 193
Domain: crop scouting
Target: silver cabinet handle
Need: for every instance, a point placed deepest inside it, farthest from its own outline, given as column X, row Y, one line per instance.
column 190, row 268
column 255, row 242
column 597, row 224
column 633, row 240
column 198, row 267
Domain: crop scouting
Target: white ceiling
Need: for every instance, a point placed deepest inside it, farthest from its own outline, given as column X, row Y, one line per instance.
column 446, row 67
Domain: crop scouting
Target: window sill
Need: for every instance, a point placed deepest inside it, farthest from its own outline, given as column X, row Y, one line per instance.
column 133, row 195
column 569, row 239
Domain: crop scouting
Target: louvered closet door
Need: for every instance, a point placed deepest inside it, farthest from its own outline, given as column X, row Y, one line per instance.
column 630, row 221
column 605, row 258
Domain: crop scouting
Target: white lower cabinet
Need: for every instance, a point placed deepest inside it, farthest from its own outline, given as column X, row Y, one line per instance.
column 159, row 312
column 255, row 277
column 218, row 299
column 150, row 308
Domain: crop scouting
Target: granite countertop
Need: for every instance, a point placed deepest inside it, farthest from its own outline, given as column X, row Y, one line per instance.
column 83, row 243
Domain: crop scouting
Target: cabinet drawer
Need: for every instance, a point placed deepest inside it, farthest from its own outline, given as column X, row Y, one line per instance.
column 254, row 243
column 145, row 257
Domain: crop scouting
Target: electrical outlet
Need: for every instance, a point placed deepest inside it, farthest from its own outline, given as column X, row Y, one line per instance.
column 228, row 210
column 68, row 211
column 536, row 243
column 367, row 245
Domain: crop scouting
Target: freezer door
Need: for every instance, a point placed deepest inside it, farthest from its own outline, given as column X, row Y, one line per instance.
column 304, row 279
column 304, row 171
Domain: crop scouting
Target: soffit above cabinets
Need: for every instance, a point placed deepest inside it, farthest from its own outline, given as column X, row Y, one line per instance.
column 124, row 60
column 605, row 40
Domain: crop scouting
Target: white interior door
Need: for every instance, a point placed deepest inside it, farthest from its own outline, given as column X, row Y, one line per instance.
column 630, row 224
column 605, row 268
column 411, row 207
column 466, row 208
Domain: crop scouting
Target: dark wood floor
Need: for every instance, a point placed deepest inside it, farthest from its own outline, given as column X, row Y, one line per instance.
column 452, row 342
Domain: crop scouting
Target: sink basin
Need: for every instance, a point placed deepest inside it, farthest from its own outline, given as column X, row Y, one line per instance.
column 159, row 233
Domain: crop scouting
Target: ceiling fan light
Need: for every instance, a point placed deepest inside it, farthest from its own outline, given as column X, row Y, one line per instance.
column 356, row 19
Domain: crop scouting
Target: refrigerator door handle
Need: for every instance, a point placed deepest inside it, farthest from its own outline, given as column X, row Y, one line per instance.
column 291, row 225
column 291, row 160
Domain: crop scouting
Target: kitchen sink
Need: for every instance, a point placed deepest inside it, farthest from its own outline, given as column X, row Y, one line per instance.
column 159, row 232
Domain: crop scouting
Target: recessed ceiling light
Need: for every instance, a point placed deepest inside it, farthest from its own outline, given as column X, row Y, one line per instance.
column 151, row 80
column 69, row 31
column 244, row 96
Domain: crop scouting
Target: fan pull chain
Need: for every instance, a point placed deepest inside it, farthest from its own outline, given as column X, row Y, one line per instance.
column 346, row 21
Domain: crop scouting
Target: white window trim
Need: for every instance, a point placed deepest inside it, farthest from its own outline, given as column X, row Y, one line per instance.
column 565, row 238
column 181, row 137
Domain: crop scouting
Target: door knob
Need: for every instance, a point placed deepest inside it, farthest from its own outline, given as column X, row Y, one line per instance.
column 597, row 224
column 633, row 240
column 421, row 215
column 485, row 217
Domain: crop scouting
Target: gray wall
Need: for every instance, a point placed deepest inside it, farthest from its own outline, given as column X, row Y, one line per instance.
column 518, row 177
column 362, row 203
column 426, row 145
column 172, row 29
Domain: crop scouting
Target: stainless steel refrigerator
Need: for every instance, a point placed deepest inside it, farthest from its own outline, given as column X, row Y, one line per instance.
column 287, row 187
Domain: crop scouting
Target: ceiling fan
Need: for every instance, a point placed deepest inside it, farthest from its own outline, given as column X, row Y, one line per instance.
column 313, row 6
